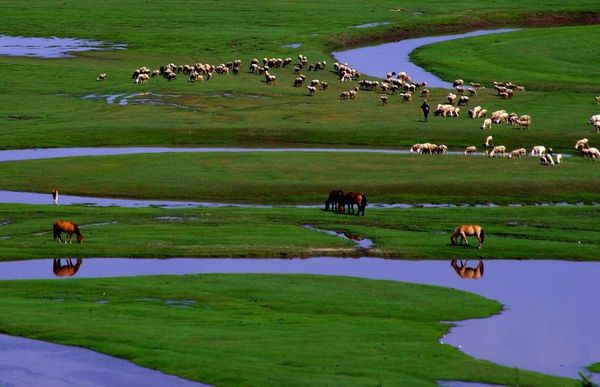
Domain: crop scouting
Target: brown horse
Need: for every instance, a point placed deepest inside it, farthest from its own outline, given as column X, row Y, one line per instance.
column 336, row 201
column 70, row 228
column 464, row 271
column 67, row 270
column 465, row 229
column 352, row 198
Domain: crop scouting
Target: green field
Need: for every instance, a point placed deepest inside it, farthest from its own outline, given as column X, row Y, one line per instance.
column 274, row 330
column 511, row 232
column 318, row 320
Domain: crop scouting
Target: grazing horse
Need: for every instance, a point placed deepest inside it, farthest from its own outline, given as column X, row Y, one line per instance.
column 464, row 271
column 466, row 229
column 55, row 196
column 336, row 201
column 352, row 198
column 70, row 228
column 67, row 270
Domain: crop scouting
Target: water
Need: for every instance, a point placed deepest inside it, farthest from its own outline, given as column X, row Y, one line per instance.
column 377, row 61
column 52, row 47
column 549, row 321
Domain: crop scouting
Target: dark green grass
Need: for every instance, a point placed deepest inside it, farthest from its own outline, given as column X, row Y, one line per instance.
column 307, row 178
column 550, row 59
column 511, row 232
column 263, row 330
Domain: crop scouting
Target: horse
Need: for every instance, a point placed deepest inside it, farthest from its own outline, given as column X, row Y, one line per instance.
column 464, row 229
column 55, row 196
column 336, row 201
column 352, row 198
column 67, row 270
column 70, row 228
column 464, row 271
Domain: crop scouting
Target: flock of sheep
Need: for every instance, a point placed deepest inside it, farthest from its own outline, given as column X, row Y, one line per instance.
column 400, row 84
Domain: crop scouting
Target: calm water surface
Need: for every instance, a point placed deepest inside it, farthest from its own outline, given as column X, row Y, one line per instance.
column 549, row 322
column 377, row 61
column 51, row 47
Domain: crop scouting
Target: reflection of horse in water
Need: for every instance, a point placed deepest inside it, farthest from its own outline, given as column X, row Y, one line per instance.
column 464, row 271
column 66, row 270
column 70, row 228
column 352, row 198
column 464, row 230
column 336, row 201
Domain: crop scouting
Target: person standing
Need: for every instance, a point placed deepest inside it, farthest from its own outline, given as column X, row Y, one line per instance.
column 55, row 197
column 425, row 108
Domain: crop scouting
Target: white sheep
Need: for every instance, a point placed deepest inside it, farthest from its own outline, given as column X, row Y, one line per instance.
column 384, row 99
column 311, row 90
column 500, row 149
column 470, row 150
column 487, row 124
column 102, row 77
column 518, row 153
column 538, row 150
column 489, row 141
column 582, row 143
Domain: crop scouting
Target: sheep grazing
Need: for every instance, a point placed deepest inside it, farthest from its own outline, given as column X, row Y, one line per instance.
column 324, row 86
column 315, row 82
column 546, row 159
column 460, row 90
column 489, row 141
column 311, row 90
column 590, row 153
column 451, row 98
column 538, row 150
column 463, row 101
column 344, row 95
column 524, row 121
column 428, row 148
column 472, row 91
column 269, row 79
column 415, row 148
column 298, row 81
column 425, row 93
column 597, row 126
column 458, row 82
column 442, row 149
column 518, row 153
column 170, row 76
column 142, row 78
column 487, row 124
column 558, row 158
column 407, row 97
column 384, row 100
column 477, row 112
column 446, row 110
column 500, row 149
column 470, row 150
column 102, row 77
column 583, row 143
column 597, row 99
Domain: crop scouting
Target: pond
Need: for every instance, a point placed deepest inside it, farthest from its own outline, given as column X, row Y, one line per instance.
column 377, row 61
column 549, row 321
column 52, row 47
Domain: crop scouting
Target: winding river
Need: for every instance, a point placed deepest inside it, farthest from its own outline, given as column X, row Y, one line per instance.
column 548, row 324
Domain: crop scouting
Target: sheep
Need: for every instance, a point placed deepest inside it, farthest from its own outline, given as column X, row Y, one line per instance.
column 518, row 153
column 500, row 149
column 459, row 90
column 425, row 93
column 324, row 85
column 344, row 95
column 489, row 141
column 407, row 97
column 142, row 78
column 442, row 149
column 171, row 76
column 298, row 81
column 311, row 90
column 546, row 159
column 463, row 101
column 102, row 77
column 470, row 150
column 446, row 110
column 487, row 124
column 538, row 150
column 597, row 126
column 583, row 143
column 415, row 148
column 451, row 98
column 458, row 82
column 597, row 99
column 315, row 82
column 558, row 158
column 472, row 91
column 384, row 100
column 591, row 153
column 428, row 148
column 524, row 121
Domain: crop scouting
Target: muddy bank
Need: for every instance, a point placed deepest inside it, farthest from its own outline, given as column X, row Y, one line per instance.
column 345, row 41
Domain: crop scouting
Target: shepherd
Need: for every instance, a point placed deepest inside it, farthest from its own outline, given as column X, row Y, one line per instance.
column 70, row 228
column 425, row 108
column 465, row 230
column 55, row 196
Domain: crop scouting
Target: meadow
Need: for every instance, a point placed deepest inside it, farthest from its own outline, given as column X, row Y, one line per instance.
column 295, row 330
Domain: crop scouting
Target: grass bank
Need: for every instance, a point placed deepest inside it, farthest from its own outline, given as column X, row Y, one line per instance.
column 266, row 330
column 535, row 232
column 306, row 178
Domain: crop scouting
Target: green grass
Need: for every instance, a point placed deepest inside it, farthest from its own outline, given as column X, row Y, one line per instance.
column 307, row 178
column 273, row 330
column 511, row 232
column 549, row 59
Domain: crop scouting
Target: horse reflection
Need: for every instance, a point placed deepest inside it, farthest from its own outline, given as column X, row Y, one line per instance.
column 464, row 271
column 68, row 269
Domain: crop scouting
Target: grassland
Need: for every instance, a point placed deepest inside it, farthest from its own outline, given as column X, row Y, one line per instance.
column 41, row 105
column 511, row 232
column 306, row 178
column 274, row 330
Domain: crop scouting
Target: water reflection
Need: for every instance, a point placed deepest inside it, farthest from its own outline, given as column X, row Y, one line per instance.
column 464, row 271
column 68, row 269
